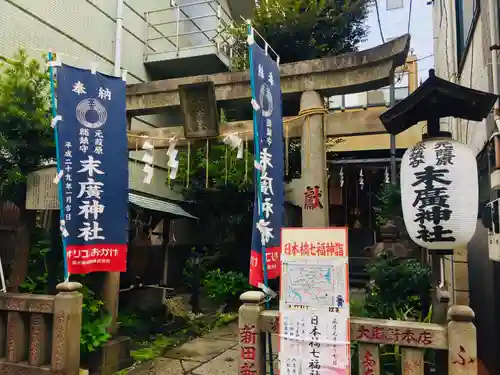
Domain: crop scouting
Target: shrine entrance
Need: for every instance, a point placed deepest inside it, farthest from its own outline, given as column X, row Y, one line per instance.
column 304, row 85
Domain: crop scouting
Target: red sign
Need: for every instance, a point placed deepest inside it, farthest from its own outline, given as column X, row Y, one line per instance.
column 96, row 258
column 273, row 265
column 394, row 335
column 306, row 248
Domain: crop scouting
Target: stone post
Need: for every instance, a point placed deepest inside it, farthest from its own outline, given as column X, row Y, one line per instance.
column 314, row 164
column 252, row 340
column 462, row 341
column 111, row 293
column 66, row 329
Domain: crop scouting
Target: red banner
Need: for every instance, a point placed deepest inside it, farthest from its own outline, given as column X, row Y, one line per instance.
column 273, row 265
column 96, row 258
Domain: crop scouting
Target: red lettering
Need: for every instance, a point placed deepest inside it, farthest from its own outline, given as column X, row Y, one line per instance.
column 248, row 353
column 392, row 335
column 321, row 248
column 368, row 361
column 377, row 333
column 313, row 250
column 304, row 248
column 288, row 249
column 247, row 334
column 247, row 369
column 363, row 333
column 334, row 249
column 425, row 338
column 295, row 249
column 408, row 337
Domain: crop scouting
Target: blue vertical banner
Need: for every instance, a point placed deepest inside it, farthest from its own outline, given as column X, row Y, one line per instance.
column 93, row 159
column 269, row 167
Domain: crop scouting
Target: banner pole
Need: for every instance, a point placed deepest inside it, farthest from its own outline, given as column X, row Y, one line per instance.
column 259, row 193
column 58, row 161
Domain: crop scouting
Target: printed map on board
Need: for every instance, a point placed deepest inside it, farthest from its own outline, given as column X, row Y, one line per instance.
column 316, row 284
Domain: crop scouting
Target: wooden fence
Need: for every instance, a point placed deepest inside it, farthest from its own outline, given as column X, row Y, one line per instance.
column 9, row 224
column 458, row 338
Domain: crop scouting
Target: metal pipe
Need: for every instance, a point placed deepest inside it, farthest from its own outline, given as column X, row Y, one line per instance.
column 186, row 20
column 118, row 38
column 177, row 29
column 392, row 101
column 362, row 161
column 493, row 14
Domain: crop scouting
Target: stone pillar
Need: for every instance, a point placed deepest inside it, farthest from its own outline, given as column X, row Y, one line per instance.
column 462, row 341
column 314, row 164
column 66, row 329
column 110, row 295
column 460, row 276
column 252, row 340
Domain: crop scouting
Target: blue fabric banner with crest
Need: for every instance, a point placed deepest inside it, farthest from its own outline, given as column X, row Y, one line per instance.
column 269, row 171
column 93, row 160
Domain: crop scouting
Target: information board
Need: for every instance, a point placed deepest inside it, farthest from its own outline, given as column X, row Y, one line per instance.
column 314, row 302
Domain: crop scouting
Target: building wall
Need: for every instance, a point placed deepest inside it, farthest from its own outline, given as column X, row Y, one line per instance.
column 83, row 31
column 473, row 72
column 471, row 276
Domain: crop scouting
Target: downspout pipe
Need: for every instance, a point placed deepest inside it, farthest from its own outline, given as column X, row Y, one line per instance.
column 111, row 287
column 118, row 38
column 495, row 49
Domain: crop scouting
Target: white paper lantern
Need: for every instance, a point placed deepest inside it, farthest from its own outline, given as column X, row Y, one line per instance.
column 439, row 193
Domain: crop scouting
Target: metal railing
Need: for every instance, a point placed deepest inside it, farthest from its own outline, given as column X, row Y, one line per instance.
column 185, row 27
column 368, row 99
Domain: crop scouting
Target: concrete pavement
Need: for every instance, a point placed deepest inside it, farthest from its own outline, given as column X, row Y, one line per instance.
column 214, row 353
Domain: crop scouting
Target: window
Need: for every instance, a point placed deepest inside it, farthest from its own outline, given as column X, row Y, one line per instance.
column 467, row 13
column 394, row 4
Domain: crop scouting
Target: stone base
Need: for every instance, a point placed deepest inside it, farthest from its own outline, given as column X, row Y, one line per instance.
column 111, row 358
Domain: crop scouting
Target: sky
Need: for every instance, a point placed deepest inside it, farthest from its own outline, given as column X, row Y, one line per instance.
column 395, row 23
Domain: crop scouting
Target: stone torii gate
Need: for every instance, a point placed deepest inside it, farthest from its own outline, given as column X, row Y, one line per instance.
column 303, row 85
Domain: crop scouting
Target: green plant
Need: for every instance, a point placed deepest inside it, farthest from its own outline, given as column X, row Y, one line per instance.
column 388, row 206
column 189, row 266
column 396, row 285
column 36, row 281
column 304, row 29
column 224, row 287
column 155, row 348
column 224, row 319
column 26, row 138
column 95, row 323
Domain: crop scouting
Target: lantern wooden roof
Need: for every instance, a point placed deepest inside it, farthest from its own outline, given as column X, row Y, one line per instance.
column 434, row 99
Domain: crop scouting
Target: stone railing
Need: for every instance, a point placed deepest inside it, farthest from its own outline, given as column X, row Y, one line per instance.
column 40, row 334
column 458, row 338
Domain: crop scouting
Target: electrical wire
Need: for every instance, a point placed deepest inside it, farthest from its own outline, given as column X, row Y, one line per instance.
column 409, row 16
column 470, row 85
column 379, row 23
